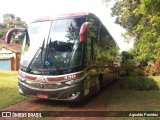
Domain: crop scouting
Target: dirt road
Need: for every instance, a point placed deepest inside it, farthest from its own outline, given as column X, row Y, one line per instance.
column 93, row 103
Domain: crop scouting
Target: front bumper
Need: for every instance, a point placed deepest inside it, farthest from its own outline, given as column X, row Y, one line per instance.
column 68, row 93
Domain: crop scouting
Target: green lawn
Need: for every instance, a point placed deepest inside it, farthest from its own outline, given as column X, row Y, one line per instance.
column 133, row 100
column 9, row 89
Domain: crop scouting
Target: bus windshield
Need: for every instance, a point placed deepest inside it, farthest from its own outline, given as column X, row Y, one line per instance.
column 52, row 45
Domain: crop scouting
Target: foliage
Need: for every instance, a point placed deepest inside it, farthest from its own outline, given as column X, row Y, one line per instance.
column 137, row 72
column 157, row 67
column 144, row 69
column 149, row 70
column 128, row 67
column 141, row 19
column 10, row 21
column 106, row 2
column 141, row 83
column 152, row 69
column 126, row 56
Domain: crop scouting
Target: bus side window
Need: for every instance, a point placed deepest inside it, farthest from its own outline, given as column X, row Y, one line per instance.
column 91, row 38
column 95, row 22
column 107, row 49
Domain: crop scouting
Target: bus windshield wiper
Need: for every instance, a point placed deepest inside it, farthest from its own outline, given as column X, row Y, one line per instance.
column 40, row 48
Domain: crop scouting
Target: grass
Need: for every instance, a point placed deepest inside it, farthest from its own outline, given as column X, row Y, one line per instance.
column 9, row 94
column 141, row 82
column 119, row 100
column 133, row 100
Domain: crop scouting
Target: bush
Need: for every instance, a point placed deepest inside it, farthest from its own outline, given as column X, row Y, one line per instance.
column 157, row 67
column 131, row 70
column 149, row 70
column 128, row 67
column 140, row 83
column 137, row 72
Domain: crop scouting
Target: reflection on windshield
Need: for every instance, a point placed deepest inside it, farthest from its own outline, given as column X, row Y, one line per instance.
column 53, row 45
column 37, row 33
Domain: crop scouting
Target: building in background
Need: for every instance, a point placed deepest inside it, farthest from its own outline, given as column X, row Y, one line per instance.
column 9, row 56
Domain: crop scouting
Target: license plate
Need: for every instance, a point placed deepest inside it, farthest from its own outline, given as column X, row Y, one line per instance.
column 43, row 96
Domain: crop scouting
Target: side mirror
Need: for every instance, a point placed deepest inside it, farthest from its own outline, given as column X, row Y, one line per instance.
column 10, row 32
column 83, row 32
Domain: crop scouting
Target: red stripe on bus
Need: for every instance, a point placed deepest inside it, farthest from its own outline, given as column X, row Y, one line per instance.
column 30, row 77
column 66, row 77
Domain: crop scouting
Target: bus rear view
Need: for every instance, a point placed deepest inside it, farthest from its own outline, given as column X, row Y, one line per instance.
column 53, row 61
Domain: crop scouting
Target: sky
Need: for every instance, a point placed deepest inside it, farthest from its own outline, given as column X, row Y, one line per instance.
column 29, row 10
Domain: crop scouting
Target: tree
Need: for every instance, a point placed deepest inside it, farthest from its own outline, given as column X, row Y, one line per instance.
column 10, row 21
column 141, row 19
column 126, row 56
column 106, row 2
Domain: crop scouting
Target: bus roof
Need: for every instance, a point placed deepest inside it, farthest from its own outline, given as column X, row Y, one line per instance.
column 66, row 15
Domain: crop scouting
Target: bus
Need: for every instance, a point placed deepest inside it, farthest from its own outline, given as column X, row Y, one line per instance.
column 66, row 57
